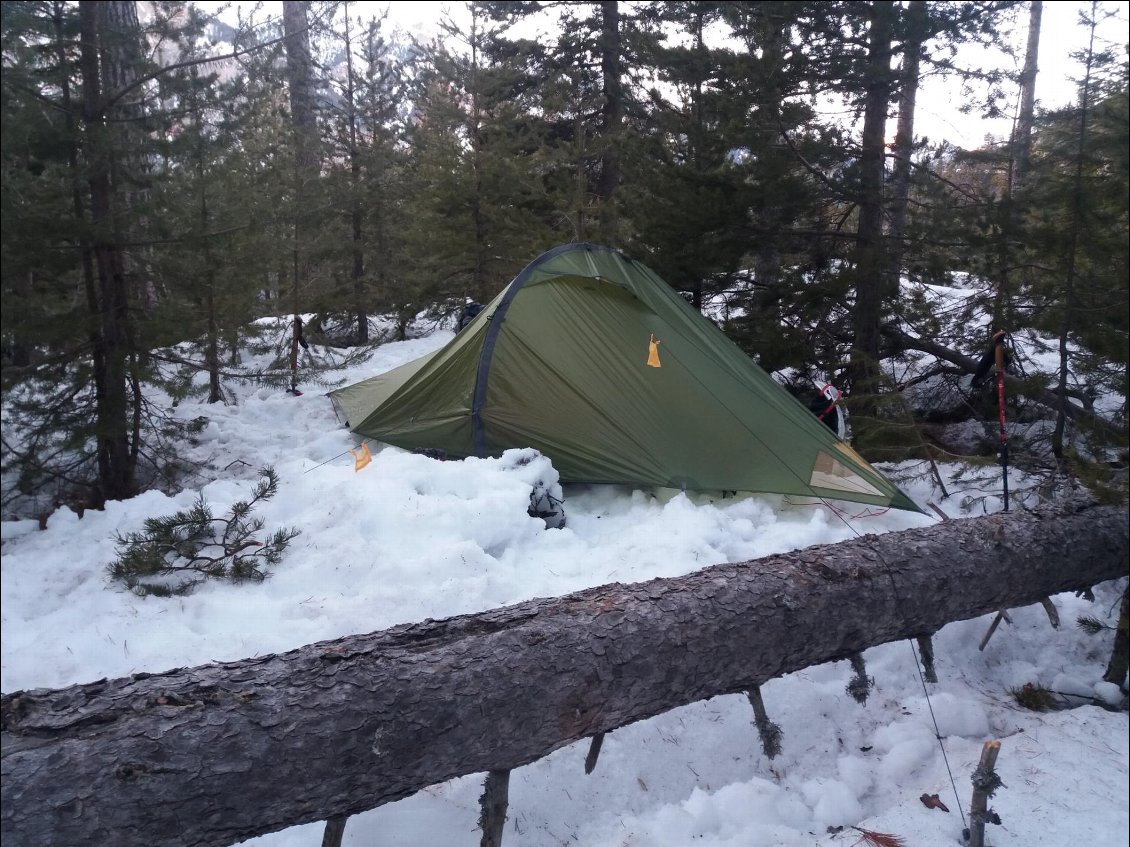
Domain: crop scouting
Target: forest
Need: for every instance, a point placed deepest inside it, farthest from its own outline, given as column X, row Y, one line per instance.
column 171, row 180
column 211, row 215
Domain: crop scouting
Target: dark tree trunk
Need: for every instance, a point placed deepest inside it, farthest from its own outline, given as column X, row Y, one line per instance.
column 1120, row 655
column 115, row 455
column 1022, row 137
column 479, row 284
column 612, row 114
column 772, row 41
column 493, row 804
column 212, row 327
column 86, row 250
column 870, row 261
column 334, row 831
column 300, row 79
column 698, row 126
column 1020, row 150
column 216, row 754
column 917, row 22
column 356, row 213
column 212, row 332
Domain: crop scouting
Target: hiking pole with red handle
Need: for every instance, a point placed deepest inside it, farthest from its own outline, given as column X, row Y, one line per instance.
column 998, row 356
column 998, row 352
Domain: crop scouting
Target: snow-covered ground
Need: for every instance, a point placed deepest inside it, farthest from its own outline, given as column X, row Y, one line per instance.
column 409, row 538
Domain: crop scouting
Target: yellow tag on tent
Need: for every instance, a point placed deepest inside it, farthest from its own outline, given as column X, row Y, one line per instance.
column 653, row 353
column 361, row 457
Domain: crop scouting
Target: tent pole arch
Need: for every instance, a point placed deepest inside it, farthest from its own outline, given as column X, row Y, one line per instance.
column 486, row 355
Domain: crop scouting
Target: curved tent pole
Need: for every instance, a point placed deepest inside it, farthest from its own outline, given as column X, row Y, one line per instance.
column 486, row 355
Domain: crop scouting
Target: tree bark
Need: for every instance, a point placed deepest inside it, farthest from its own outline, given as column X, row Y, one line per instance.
column 216, row 754
column 917, row 23
column 479, row 284
column 115, row 455
column 612, row 116
column 985, row 783
column 356, row 211
column 78, row 206
column 870, row 262
column 1120, row 654
column 1020, row 153
column 1078, row 211
column 493, row 805
column 303, row 118
column 1022, row 135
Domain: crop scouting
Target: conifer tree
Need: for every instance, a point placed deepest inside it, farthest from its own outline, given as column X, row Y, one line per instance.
column 1076, row 217
column 477, row 172
column 79, row 426
column 578, row 80
column 685, row 195
column 307, row 163
column 349, row 217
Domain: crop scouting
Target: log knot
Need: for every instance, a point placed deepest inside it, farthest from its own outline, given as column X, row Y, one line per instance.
column 129, row 771
column 12, row 711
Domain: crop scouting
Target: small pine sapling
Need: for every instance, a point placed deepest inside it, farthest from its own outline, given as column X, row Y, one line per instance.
column 1034, row 697
column 175, row 553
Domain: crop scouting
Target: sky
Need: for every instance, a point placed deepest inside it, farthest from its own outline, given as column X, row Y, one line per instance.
column 938, row 114
column 408, row 538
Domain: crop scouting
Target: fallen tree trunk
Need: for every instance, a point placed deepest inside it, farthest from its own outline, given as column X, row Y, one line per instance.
column 215, row 754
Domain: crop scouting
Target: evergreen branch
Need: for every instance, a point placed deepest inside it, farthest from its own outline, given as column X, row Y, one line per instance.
column 110, row 102
column 190, row 541
column 1091, row 626
column 833, row 186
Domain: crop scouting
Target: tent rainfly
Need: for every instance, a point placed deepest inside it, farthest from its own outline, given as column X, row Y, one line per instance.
column 592, row 359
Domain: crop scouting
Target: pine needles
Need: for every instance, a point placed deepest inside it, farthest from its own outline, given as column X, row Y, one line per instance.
column 175, row 553
column 878, row 839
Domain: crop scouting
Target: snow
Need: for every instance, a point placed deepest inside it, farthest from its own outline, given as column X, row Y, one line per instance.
column 409, row 538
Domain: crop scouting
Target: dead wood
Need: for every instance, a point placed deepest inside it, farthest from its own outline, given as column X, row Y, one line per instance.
column 216, row 754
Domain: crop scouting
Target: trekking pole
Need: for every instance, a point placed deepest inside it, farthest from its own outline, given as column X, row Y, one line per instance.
column 998, row 352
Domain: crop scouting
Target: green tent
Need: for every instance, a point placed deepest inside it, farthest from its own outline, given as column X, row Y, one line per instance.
column 592, row 359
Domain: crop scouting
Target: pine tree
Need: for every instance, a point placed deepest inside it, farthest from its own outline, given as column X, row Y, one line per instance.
column 1076, row 219
column 686, row 197
column 361, row 111
column 79, row 426
column 477, row 172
